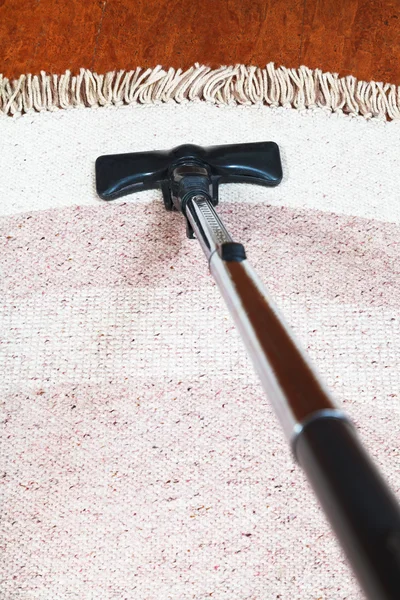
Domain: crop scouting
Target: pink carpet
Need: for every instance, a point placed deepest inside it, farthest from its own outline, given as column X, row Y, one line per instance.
column 140, row 457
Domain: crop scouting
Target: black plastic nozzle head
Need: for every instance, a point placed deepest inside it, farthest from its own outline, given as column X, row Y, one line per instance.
column 121, row 174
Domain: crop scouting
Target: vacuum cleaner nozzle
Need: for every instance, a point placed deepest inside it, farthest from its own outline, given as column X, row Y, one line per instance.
column 188, row 170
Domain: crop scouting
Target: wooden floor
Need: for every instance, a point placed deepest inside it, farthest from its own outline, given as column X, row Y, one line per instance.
column 359, row 37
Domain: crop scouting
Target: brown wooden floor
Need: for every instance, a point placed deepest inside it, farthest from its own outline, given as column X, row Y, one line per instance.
column 359, row 37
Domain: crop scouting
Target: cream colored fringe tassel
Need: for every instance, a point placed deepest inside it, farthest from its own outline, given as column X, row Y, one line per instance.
column 297, row 88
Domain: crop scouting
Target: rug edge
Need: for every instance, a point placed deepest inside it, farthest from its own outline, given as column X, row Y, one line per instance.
column 301, row 88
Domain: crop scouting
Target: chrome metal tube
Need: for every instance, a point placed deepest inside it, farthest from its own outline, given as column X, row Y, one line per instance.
column 208, row 227
column 362, row 510
column 284, row 369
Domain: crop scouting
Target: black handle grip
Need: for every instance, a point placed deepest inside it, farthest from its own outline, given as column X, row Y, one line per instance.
column 361, row 508
column 121, row 174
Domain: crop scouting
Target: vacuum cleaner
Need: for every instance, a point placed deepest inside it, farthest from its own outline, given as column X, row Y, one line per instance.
column 363, row 512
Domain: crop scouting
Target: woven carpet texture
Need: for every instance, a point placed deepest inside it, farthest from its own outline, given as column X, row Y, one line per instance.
column 140, row 458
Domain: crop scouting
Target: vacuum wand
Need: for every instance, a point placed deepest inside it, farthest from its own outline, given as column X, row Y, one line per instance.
column 360, row 506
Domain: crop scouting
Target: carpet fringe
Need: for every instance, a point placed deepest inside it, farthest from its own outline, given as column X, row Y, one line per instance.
column 237, row 85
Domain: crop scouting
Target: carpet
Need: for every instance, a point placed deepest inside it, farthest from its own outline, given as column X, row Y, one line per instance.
column 140, row 458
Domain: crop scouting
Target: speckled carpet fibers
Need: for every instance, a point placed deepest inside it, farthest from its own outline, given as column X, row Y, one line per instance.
column 140, row 459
